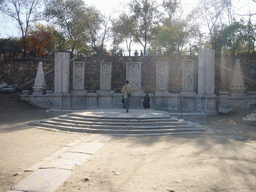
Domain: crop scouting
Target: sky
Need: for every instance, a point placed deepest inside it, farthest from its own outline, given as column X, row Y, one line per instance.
column 8, row 27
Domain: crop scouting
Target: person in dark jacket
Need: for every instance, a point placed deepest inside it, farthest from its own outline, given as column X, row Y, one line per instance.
column 146, row 101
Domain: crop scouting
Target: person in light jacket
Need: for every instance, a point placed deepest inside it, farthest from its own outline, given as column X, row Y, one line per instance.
column 127, row 90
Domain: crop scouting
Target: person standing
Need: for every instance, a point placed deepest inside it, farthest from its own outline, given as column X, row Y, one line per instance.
column 146, row 102
column 127, row 90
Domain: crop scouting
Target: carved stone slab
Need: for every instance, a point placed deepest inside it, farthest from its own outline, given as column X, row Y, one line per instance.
column 188, row 75
column 133, row 74
column 162, row 75
column 78, row 75
column 105, row 75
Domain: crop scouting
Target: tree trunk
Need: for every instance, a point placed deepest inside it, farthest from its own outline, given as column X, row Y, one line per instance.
column 24, row 48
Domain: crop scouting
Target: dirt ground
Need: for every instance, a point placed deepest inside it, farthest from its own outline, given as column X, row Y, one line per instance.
column 225, row 161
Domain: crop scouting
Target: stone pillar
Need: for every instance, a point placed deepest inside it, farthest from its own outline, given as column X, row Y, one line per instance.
column 105, row 94
column 162, row 78
column 40, row 83
column 206, row 99
column 201, row 71
column 61, row 80
column 210, row 71
column 61, row 73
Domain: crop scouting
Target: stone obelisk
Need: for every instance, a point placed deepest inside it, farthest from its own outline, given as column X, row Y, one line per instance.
column 40, row 83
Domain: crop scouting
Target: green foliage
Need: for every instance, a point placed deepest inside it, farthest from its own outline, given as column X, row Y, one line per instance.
column 10, row 46
column 137, row 25
column 234, row 38
column 171, row 37
column 122, row 29
column 172, row 33
column 67, row 15
column 79, row 24
column 23, row 12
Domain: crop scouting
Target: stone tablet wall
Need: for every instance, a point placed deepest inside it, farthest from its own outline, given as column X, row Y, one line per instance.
column 148, row 72
column 22, row 71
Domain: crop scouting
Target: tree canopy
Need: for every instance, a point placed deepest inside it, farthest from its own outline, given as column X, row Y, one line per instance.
column 157, row 28
column 23, row 12
column 81, row 25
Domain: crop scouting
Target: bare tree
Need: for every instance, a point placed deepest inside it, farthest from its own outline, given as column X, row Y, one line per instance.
column 23, row 12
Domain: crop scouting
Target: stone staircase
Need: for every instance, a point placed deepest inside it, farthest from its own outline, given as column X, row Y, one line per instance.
column 122, row 124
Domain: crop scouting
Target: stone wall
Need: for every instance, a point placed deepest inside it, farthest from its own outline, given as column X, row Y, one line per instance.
column 148, row 72
column 225, row 68
column 22, row 71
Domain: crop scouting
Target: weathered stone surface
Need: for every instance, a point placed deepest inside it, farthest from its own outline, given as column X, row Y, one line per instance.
column 250, row 118
column 76, row 157
column 98, row 138
column 225, row 110
column 36, row 166
column 61, row 163
column 44, row 180
column 87, row 148
column 56, row 154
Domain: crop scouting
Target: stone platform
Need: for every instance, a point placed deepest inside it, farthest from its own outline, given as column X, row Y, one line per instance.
column 118, row 122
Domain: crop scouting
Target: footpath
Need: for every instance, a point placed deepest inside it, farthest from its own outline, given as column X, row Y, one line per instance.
column 30, row 157
column 49, row 173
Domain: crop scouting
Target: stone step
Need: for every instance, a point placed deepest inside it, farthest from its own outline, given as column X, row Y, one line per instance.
column 124, row 117
column 120, row 123
column 117, row 122
column 125, row 131
column 118, row 119
column 108, row 126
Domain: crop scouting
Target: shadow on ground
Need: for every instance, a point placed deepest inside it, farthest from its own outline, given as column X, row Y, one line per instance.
column 15, row 114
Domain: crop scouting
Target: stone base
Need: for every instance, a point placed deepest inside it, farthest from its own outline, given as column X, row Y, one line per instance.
column 38, row 92
column 170, row 103
column 233, row 100
column 210, row 104
column 162, row 93
column 237, row 94
column 105, row 93
column 105, row 102
column 79, row 93
column 187, row 94
column 194, row 117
